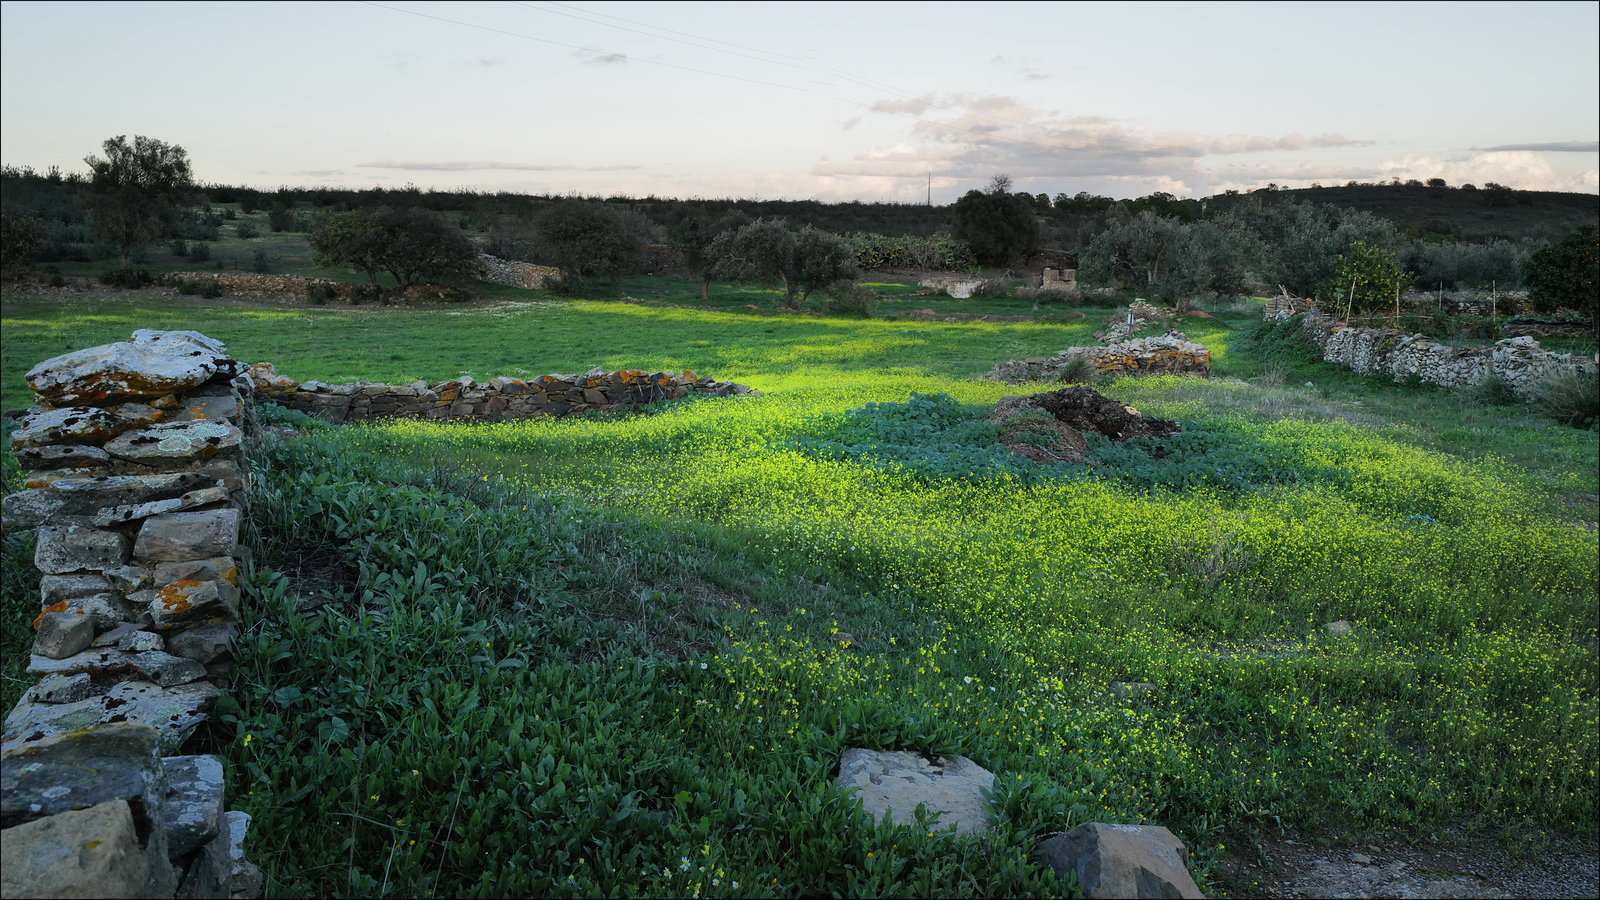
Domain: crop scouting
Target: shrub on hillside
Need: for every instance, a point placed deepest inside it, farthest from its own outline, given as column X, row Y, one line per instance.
column 199, row 251
column 246, row 230
column 1571, row 397
column 1567, row 274
column 412, row 245
column 588, row 240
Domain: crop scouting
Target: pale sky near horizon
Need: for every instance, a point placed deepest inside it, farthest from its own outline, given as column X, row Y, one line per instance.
column 832, row 101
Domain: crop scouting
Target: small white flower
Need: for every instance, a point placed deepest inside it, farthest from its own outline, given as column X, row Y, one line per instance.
column 967, row 679
column 702, row 665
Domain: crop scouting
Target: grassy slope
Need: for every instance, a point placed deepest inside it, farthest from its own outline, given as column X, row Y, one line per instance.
column 599, row 564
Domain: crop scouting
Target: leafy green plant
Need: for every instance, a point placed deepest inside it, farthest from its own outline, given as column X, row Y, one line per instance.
column 1567, row 274
column 199, row 251
column 1365, row 279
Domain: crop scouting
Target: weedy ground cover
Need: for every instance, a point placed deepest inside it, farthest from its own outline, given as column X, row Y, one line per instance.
column 596, row 656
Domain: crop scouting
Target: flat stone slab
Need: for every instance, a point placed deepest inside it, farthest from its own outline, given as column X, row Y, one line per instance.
column 893, row 783
column 151, row 365
column 174, row 713
column 175, row 442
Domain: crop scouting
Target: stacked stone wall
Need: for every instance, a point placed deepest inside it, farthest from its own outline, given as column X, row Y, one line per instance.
column 512, row 273
column 272, row 285
column 138, row 469
column 1397, row 354
column 499, row 398
column 1164, row 355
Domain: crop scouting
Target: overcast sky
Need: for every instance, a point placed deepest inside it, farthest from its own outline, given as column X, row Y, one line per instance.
column 833, row 101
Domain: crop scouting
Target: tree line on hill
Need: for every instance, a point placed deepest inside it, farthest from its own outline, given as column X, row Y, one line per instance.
column 1175, row 250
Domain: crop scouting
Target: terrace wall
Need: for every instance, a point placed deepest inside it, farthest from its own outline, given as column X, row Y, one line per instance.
column 499, row 398
column 1398, row 354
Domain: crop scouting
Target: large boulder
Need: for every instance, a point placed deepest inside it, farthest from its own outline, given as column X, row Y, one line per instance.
column 894, row 783
column 151, row 365
column 89, row 853
column 1121, row 861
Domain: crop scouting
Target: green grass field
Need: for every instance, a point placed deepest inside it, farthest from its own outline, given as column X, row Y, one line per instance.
column 594, row 657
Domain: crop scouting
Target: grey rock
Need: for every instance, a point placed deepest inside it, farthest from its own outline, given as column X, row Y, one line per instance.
column 128, row 579
column 244, row 879
column 62, row 634
column 75, row 425
column 192, row 814
column 895, row 783
column 55, row 588
column 85, row 768
column 174, row 713
column 172, row 537
column 122, row 515
column 1121, row 861
column 62, row 456
column 106, row 611
column 59, row 689
column 112, row 640
column 152, row 364
column 183, row 604
column 225, row 472
column 140, row 641
column 216, row 403
column 204, row 644
column 217, row 568
column 88, row 853
column 1339, row 628
column 175, row 442
column 72, row 548
column 54, row 494
column 165, row 669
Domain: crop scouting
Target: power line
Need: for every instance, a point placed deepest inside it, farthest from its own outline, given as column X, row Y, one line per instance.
column 657, row 36
column 529, row 37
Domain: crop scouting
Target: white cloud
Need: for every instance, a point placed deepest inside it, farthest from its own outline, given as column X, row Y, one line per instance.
column 1523, row 169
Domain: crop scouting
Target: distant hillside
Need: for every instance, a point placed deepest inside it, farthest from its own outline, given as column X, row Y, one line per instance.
column 1466, row 214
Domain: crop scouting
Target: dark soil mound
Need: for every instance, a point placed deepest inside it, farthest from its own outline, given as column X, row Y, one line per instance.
column 1085, row 409
column 1049, row 427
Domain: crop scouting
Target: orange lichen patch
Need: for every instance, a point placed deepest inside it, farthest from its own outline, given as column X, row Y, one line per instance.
column 546, row 379
column 55, row 607
column 689, row 375
column 664, row 380
column 231, row 576
column 175, row 597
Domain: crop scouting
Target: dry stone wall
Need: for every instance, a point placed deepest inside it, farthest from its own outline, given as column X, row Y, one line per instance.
column 1398, row 354
column 1168, row 354
column 512, row 273
column 138, row 466
column 498, row 398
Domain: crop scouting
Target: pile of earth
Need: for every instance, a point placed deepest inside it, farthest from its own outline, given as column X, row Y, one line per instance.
column 1050, row 427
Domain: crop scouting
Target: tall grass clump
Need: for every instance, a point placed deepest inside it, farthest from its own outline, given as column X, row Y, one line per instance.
column 1570, row 396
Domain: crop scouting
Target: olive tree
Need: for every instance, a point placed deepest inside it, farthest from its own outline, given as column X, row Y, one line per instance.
column 135, row 191
column 588, row 239
column 412, row 245
column 768, row 250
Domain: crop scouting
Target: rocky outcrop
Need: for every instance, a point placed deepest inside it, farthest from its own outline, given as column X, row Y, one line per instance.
column 138, row 463
column 499, row 398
